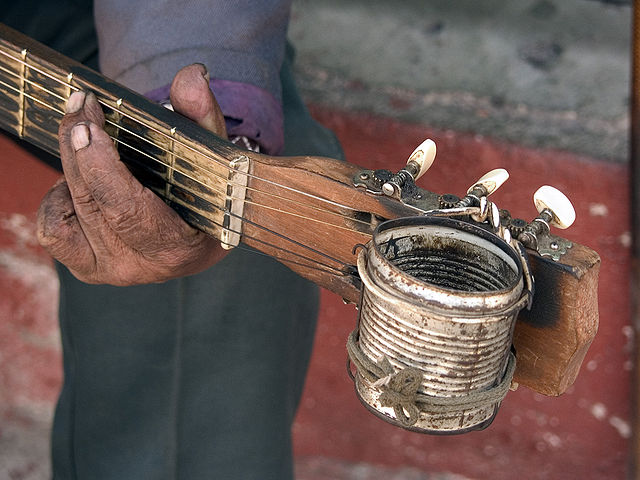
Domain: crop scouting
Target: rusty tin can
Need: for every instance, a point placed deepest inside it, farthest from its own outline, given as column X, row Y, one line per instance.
column 440, row 296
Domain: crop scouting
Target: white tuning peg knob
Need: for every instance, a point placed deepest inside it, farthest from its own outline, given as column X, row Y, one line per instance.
column 423, row 157
column 556, row 205
column 491, row 181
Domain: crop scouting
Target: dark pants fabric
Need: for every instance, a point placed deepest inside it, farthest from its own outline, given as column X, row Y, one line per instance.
column 196, row 378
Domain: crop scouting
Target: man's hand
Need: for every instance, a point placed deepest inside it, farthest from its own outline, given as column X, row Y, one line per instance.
column 101, row 222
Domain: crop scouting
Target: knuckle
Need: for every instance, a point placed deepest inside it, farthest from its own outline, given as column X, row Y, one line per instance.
column 125, row 217
column 47, row 232
column 66, row 124
column 53, row 224
column 86, row 206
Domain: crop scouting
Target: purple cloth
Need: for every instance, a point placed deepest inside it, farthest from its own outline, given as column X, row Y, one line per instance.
column 248, row 110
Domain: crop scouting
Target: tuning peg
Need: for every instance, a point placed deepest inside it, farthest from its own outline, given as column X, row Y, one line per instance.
column 421, row 159
column 554, row 207
column 419, row 162
column 478, row 192
column 490, row 182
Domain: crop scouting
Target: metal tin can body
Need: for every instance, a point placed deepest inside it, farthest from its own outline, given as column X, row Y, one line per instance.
column 439, row 296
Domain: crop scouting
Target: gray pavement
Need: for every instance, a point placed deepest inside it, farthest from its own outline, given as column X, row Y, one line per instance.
column 543, row 73
column 24, row 445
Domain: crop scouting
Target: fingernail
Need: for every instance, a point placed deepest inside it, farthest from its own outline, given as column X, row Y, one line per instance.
column 75, row 102
column 205, row 71
column 80, row 137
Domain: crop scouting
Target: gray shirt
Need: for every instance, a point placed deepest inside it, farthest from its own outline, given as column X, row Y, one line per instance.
column 238, row 40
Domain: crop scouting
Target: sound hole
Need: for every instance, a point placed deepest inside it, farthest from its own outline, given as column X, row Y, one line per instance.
column 450, row 263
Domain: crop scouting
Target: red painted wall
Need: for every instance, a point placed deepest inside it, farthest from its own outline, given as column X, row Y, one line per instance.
column 583, row 434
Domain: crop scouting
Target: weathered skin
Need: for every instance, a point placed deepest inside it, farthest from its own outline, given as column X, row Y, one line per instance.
column 101, row 222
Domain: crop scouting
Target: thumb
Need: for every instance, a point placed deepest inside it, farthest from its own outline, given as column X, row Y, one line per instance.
column 191, row 96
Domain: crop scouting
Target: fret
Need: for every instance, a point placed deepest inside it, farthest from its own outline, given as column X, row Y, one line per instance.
column 171, row 161
column 44, row 101
column 165, row 162
column 21, row 100
column 112, row 121
column 32, row 98
column 10, row 84
column 69, row 89
column 200, row 175
column 184, row 176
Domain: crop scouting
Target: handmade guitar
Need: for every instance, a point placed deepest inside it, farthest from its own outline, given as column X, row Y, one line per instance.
column 307, row 212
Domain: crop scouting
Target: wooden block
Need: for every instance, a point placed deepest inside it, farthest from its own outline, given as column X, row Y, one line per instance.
column 552, row 339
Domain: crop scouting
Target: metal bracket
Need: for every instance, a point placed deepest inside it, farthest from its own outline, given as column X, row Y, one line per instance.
column 552, row 246
column 407, row 192
column 533, row 236
column 536, row 236
column 234, row 203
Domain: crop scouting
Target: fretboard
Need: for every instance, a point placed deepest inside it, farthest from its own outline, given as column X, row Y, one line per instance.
column 185, row 165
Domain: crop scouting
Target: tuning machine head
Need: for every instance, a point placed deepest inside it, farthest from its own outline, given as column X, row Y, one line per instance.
column 418, row 163
column 477, row 194
column 421, row 159
column 489, row 183
column 554, row 209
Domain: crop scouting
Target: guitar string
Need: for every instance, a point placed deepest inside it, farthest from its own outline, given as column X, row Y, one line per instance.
column 215, row 174
column 228, row 212
column 115, row 109
column 172, row 139
column 328, row 268
column 224, row 193
column 209, row 187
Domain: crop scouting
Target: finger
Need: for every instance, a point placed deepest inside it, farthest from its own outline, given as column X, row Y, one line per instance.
column 82, row 107
column 74, row 115
column 83, row 110
column 191, row 96
column 60, row 233
column 132, row 212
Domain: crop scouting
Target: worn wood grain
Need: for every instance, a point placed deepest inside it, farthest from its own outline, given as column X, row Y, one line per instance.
column 552, row 339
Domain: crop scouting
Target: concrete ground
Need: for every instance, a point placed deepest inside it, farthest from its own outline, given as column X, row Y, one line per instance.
column 538, row 86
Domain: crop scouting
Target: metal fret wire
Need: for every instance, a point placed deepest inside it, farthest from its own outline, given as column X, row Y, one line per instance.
column 328, row 267
column 238, row 216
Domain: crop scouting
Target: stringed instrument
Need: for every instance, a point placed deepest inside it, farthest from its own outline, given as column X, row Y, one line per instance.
column 307, row 212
